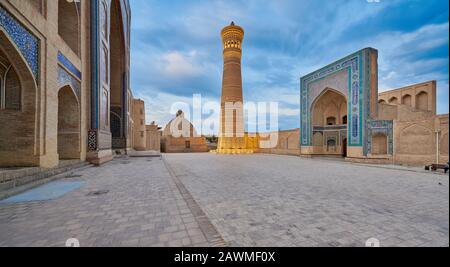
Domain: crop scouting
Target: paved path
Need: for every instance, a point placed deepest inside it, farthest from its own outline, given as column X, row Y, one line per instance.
column 254, row 200
column 144, row 207
column 267, row 200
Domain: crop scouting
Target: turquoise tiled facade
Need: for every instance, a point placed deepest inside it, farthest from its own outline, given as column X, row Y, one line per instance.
column 359, row 68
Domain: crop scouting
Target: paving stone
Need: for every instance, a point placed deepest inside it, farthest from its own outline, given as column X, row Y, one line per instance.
column 254, row 200
column 291, row 201
column 143, row 201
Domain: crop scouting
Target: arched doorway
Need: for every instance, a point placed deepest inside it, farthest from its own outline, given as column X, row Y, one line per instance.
column 393, row 101
column 18, row 111
column 117, row 78
column 379, row 144
column 329, row 119
column 116, row 125
column 68, row 124
column 331, row 145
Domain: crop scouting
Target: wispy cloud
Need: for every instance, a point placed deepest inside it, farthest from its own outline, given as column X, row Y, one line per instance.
column 177, row 52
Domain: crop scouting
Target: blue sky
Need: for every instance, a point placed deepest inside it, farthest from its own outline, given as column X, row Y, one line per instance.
column 176, row 49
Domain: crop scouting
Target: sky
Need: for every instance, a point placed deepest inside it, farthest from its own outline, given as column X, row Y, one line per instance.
column 176, row 49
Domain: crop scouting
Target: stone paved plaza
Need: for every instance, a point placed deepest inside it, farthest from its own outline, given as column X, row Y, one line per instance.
column 267, row 200
column 251, row 200
column 143, row 207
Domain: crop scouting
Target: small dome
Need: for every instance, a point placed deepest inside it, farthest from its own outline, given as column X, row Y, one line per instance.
column 180, row 125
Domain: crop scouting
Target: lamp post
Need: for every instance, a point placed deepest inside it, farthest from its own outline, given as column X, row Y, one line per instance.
column 437, row 146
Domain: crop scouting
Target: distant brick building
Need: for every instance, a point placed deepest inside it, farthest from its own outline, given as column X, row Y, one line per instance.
column 180, row 136
column 145, row 137
column 139, row 141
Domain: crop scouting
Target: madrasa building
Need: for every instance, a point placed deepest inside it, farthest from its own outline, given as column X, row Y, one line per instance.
column 64, row 81
column 344, row 115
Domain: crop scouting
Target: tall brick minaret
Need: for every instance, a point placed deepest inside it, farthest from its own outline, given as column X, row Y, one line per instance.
column 232, row 138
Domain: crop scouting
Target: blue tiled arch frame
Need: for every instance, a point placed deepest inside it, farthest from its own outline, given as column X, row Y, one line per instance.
column 68, row 74
column 358, row 66
column 381, row 126
column 95, row 69
column 65, row 78
column 27, row 43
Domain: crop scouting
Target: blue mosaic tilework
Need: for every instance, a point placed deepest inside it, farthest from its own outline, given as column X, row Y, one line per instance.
column 66, row 63
column 354, row 65
column 64, row 78
column 95, row 84
column 27, row 43
column 95, row 56
column 46, row 192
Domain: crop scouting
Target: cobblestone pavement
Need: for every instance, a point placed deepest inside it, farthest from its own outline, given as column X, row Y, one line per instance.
column 144, row 207
column 268, row 200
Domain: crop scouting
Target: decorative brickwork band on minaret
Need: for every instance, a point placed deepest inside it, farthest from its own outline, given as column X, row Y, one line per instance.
column 232, row 138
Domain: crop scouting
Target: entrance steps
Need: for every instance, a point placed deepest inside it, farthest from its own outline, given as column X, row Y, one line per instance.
column 17, row 180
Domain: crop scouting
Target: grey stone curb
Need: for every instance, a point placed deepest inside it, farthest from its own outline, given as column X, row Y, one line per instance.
column 209, row 230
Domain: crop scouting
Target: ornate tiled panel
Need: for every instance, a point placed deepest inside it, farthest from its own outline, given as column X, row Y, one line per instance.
column 68, row 65
column 351, row 77
column 337, row 81
column 64, row 78
column 352, row 65
column 380, row 126
column 99, row 64
column 26, row 42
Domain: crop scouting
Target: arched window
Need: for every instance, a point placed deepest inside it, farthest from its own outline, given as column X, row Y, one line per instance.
column 382, row 101
column 393, row 100
column 407, row 100
column 10, row 88
column 331, row 145
column 331, row 121
column 345, row 120
column 422, row 101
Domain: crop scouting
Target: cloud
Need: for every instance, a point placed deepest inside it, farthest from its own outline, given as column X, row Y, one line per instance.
column 177, row 51
column 179, row 66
